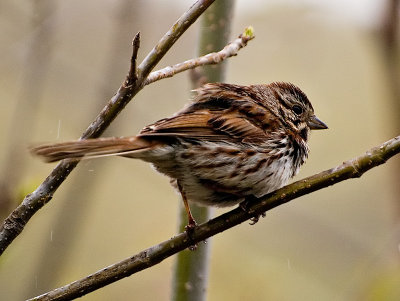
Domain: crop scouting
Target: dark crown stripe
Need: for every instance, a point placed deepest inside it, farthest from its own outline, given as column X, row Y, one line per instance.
column 294, row 90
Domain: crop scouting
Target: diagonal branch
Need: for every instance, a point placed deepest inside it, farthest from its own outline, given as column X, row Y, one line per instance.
column 354, row 168
column 16, row 221
column 210, row 59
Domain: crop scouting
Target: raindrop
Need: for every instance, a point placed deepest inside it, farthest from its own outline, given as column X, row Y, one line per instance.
column 59, row 128
column 289, row 265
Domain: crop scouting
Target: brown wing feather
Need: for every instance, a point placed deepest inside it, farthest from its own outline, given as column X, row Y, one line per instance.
column 236, row 126
column 215, row 125
column 193, row 120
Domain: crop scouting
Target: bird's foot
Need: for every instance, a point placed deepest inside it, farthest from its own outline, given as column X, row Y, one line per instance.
column 189, row 229
column 245, row 207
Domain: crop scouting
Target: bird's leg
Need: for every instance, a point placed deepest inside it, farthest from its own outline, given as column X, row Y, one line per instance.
column 191, row 222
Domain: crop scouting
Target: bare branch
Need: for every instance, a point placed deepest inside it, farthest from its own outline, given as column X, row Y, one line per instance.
column 351, row 169
column 16, row 221
column 210, row 59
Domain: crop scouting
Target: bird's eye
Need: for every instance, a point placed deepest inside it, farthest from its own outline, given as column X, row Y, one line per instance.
column 297, row 109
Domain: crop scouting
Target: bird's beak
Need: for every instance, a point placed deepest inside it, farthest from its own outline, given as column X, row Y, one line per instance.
column 315, row 124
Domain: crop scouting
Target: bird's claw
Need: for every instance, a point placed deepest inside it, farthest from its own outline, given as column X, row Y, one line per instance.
column 189, row 229
column 255, row 219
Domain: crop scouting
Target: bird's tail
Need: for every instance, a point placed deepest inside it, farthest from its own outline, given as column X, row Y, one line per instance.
column 91, row 148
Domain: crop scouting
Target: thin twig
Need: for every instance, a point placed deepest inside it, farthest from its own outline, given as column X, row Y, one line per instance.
column 350, row 169
column 212, row 58
column 132, row 74
column 16, row 221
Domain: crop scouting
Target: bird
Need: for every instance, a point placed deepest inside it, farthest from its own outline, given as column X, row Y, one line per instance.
column 231, row 142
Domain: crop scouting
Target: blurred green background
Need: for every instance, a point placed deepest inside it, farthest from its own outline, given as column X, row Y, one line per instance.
column 62, row 60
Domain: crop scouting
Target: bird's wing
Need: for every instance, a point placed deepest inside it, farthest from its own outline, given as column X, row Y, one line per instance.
column 211, row 125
